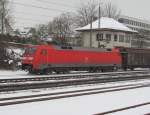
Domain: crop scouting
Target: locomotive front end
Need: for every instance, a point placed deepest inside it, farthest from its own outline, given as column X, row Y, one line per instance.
column 28, row 58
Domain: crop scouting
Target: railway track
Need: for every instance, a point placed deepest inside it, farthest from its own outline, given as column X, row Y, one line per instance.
column 83, row 79
column 71, row 76
column 125, row 108
column 67, row 94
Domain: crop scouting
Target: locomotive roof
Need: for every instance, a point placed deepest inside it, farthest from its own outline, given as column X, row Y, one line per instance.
column 63, row 47
column 81, row 48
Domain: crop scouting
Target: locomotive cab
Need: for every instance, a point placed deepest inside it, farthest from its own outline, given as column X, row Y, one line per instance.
column 28, row 58
column 35, row 58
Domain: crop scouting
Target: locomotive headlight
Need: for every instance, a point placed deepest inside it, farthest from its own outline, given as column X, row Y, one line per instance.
column 24, row 58
column 27, row 58
column 30, row 58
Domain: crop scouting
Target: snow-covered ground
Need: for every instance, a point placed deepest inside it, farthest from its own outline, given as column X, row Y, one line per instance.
column 85, row 105
column 82, row 105
column 6, row 74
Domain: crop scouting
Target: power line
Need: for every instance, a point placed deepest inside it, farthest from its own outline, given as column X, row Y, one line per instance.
column 32, row 14
column 36, row 21
column 50, row 2
column 39, row 7
column 29, row 19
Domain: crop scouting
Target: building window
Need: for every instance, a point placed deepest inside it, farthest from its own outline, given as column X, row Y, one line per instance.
column 108, row 37
column 115, row 38
column 99, row 37
column 127, row 21
column 121, row 38
column 134, row 23
column 121, row 20
column 140, row 24
column 128, row 38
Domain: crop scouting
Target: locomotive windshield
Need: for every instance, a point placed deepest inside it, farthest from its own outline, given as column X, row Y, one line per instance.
column 30, row 50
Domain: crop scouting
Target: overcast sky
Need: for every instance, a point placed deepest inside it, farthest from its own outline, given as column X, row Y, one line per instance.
column 25, row 16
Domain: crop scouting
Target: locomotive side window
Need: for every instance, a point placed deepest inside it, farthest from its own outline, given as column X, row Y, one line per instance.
column 43, row 52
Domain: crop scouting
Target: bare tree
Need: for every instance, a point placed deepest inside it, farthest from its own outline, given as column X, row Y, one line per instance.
column 111, row 11
column 5, row 16
column 61, row 26
column 34, row 32
column 42, row 30
column 89, row 11
column 86, row 13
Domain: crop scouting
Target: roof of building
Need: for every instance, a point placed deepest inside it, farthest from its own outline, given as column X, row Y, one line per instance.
column 139, row 19
column 106, row 23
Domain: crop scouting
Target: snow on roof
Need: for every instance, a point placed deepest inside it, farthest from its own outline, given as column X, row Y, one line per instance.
column 106, row 23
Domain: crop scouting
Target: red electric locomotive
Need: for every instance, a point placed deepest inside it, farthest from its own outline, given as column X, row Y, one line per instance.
column 53, row 58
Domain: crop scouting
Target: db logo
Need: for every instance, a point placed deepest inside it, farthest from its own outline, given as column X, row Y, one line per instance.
column 86, row 59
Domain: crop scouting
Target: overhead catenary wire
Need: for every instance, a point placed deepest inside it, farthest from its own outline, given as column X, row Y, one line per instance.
column 27, row 13
column 30, row 19
column 39, row 7
column 54, row 3
column 42, row 8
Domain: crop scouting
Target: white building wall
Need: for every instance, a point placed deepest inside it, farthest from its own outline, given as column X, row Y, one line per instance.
column 110, row 44
column 86, row 39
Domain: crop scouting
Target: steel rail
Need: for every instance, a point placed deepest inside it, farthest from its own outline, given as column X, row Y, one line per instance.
column 67, row 94
column 70, row 82
column 124, row 108
column 69, row 76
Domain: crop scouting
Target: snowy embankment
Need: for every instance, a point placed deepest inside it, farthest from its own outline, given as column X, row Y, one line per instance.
column 82, row 105
column 15, row 55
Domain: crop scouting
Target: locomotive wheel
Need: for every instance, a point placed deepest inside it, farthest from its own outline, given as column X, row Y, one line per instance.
column 115, row 68
column 65, row 72
column 61, row 71
column 125, row 69
column 103, row 70
column 38, row 72
column 29, row 69
column 47, row 71
column 93, row 70
column 31, row 72
column 57, row 72
column 132, row 69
